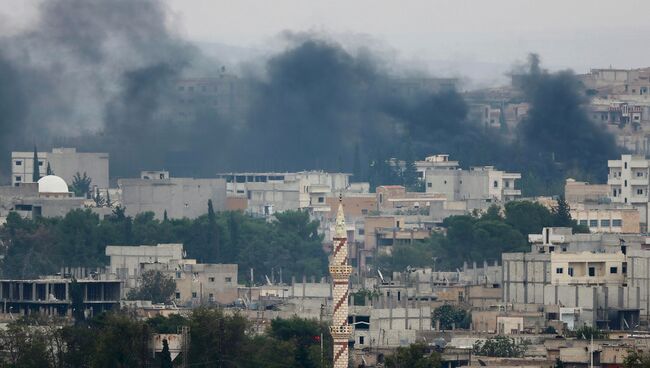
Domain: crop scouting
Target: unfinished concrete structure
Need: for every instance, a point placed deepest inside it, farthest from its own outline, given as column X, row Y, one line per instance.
column 590, row 272
column 52, row 296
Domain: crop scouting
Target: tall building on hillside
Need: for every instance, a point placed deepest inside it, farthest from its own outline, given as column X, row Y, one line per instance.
column 628, row 180
column 340, row 271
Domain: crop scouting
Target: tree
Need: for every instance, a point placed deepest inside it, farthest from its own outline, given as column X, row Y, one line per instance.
column 501, row 346
column 49, row 169
column 588, row 332
column 154, row 286
column 98, row 199
column 77, row 297
column 451, row 316
column 36, row 175
column 635, row 359
column 165, row 356
column 414, row 356
column 81, row 185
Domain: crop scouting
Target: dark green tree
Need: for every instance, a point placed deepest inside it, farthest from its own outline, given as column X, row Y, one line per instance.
column 155, row 286
column 81, row 185
column 77, row 297
column 635, row 359
column 588, row 332
column 414, row 356
column 49, row 169
column 36, row 174
column 451, row 316
column 501, row 346
column 165, row 356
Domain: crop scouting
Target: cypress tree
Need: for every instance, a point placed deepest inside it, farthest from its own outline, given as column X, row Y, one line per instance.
column 36, row 174
column 49, row 169
column 166, row 356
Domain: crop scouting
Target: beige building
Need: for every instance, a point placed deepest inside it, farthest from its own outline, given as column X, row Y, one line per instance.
column 199, row 283
column 581, row 192
column 607, row 218
column 64, row 162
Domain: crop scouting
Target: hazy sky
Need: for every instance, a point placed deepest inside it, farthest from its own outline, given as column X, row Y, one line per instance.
column 450, row 36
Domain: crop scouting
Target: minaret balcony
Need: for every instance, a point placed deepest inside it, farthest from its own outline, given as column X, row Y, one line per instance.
column 340, row 271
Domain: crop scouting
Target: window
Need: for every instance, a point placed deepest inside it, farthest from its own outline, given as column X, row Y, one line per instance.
column 604, row 223
column 592, row 271
column 593, row 223
column 624, row 267
column 614, row 192
column 178, row 295
column 40, row 163
column 570, row 271
column 639, row 191
column 362, row 231
column 445, row 181
column 583, row 222
column 361, row 340
column 429, row 185
column 19, row 178
column 211, row 296
column 211, row 279
column 613, row 270
column 194, row 294
column 364, row 211
column 321, row 199
column 228, row 279
column 639, row 174
column 617, row 223
column 495, row 184
column 19, row 163
column 507, row 184
column 559, row 270
column 625, row 183
column 625, row 165
column 178, row 275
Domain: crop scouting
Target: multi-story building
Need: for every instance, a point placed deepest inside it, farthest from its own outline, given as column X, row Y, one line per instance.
column 199, row 283
column 592, row 272
column 484, row 183
column 628, row 183
column 268, row 193
column 157, row 192
column 63, row 162
column 607, row 218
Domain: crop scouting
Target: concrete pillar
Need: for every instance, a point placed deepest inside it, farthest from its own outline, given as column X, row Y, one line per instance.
column 67, row 291
column 34, row 291
column 101, row 291
column 20, row 291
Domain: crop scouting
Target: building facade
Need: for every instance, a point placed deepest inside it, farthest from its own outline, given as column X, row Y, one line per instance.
column 628, row 183
column 178, row 197
column 64, row 162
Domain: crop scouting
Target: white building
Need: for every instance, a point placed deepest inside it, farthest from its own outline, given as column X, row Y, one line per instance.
column 628, row 183
column 484, row 182
column 268, row 193
column 64, row 162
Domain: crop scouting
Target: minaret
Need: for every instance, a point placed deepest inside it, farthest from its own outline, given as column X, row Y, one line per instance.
column 340, row 271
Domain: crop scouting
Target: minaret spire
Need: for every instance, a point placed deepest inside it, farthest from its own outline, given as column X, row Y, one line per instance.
column 340, row 271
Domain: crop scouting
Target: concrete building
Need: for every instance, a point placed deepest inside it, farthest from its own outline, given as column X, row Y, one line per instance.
column 49, row 197
column 268, row 193
column 607, row 218
column 484, row 183
column 583, row 192
column 628, row 182
column 587, row 271
column 125, row 261
column 199, row 283
column 180, row 197
column 51, row 296
column 64, row 162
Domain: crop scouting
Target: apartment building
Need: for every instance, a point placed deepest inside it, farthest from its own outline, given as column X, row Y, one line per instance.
column 476, row 183
column 628, row 183
column 592, row 272
column 63, row 162
column 270, row 192
column 607, row 218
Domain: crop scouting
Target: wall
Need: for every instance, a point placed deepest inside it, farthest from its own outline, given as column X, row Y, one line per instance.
column 180, row 197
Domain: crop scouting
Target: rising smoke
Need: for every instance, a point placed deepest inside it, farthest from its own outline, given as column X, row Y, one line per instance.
column 102, row 76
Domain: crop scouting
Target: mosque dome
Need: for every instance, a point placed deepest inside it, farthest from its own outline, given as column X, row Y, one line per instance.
column 52, row 184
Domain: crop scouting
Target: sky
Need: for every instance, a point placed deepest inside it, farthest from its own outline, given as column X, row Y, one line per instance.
column 480, row 39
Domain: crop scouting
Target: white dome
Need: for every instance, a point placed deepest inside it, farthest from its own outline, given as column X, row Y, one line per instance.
column 52, row 184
